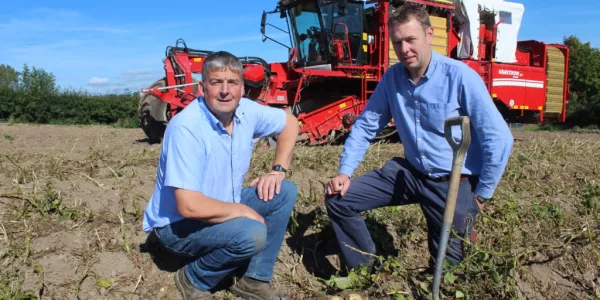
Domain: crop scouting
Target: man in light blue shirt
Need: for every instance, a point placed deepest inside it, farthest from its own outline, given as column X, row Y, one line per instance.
column 420, row 93
column 199, row 209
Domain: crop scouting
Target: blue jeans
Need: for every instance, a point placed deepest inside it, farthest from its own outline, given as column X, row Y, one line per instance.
column 219, row 249
column 398, row 183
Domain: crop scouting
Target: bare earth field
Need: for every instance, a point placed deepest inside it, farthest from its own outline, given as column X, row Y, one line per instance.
column 72, row 200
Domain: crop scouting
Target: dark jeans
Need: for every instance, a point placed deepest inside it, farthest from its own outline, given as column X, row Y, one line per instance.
column 398, row 183
column 222, row 248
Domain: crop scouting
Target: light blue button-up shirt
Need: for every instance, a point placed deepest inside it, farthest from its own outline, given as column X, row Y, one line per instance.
column 448, row 88
column 199, row 154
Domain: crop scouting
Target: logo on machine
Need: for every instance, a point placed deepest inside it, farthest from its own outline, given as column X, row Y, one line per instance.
column 509, row 72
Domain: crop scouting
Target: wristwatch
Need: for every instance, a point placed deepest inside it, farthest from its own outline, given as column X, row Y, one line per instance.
column 279, row 168
column 482, row 199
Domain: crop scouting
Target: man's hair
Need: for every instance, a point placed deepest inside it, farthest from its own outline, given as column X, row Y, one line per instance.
column 221, row 60
column 407, row 11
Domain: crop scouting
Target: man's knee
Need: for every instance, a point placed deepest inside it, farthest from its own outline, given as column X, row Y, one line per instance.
column 250, row 239
column 337, row 207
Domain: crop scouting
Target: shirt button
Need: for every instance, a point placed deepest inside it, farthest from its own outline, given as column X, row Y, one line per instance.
column 418, row 121
column 423, row 157
column 419, row 139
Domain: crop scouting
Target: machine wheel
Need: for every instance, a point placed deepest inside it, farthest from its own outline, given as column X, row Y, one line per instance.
column 153, row 114
column 386, row 133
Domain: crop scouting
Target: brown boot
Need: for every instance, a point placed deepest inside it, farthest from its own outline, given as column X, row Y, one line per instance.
column 187, row 290
column 248, row 288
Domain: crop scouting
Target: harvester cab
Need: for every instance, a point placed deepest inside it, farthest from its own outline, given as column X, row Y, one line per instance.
column 323, row 32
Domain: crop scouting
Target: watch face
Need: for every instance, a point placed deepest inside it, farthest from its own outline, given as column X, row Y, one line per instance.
column 278, row 168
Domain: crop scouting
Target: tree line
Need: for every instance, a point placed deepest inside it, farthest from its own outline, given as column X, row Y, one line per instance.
column 584, row 79
column 32, row 95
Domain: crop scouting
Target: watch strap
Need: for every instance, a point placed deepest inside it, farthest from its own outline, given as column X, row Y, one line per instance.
column 482, row 199
column 279, row 168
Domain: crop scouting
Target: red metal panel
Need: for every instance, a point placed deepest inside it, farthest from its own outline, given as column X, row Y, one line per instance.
column 519, row 87
column 523, row 57
column 318, row 124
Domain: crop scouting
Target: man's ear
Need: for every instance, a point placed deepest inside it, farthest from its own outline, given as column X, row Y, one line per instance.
column 200, row 89
column 429, row 35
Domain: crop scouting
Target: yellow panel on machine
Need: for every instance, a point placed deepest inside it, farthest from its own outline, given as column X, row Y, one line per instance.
column 556, row 80
column 440, row 38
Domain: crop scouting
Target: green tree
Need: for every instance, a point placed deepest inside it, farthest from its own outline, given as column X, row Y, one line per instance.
column 584, row 80
column 9, row 77
column 37, row 81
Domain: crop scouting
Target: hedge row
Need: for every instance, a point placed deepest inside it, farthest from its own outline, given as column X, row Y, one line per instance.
column 68, row 107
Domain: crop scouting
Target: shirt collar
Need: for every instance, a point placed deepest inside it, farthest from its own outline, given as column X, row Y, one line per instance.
column 435, row 57
column 212, row 120
column 430, row 69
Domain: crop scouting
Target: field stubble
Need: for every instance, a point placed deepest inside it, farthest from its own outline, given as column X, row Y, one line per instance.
column 72, row 200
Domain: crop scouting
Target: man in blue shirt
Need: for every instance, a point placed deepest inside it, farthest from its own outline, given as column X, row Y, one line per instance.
column 199, row 208
column 420, row 93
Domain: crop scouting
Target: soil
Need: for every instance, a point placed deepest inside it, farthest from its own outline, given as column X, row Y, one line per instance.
column 86, row 256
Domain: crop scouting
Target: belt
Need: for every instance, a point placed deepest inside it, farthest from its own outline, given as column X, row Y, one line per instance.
column 447, row 178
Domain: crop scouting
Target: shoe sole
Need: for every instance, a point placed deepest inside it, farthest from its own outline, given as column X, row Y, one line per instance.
column 245, row 295
column 179, row 286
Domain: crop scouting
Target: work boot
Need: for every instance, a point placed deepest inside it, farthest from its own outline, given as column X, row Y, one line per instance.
column 187, row 290
column 248, row 288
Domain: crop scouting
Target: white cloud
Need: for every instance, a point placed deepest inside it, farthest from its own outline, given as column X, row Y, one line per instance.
column 61, row 13
column 239, row 39
column 46, row 20
column 97, row 81
column 135, row 72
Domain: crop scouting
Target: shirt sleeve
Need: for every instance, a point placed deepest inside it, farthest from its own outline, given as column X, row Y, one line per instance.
column 492, row 132
column 268, row 121
column 184, row 159
column 373, row 118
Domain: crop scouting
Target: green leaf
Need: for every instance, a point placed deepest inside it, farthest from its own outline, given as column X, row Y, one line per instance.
column 400, row 297
column 459, row 294
column 103, row 283
column 342, row 283
column 353, row 276
column 496, row 277
column 449, row 277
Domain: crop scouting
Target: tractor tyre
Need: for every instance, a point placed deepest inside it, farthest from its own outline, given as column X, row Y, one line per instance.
column 386, row 132
column 153, row 114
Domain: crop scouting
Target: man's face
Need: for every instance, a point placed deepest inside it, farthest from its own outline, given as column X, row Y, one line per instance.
column 223, row 90
column 412, row 43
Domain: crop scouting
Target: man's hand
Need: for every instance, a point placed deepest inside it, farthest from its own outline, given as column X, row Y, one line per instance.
column 247, row 212
column 338, row 184
column 480, row 204
column 268, row 185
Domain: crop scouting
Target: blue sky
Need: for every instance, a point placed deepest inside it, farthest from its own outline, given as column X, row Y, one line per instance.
column 107, row 46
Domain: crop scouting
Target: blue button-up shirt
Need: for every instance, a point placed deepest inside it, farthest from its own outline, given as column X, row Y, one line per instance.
column 449, row 88
column 199, row 154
